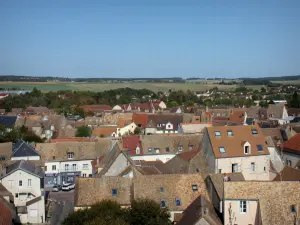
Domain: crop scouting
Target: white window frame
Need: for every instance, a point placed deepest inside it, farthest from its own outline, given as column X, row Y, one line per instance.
column 249, row 149
column 66, row 167
column 243, row 207
column 53, row 167
column 222, row 150
column 85, row 166
column 29, row 182
column 237, row 167
column 70, row 155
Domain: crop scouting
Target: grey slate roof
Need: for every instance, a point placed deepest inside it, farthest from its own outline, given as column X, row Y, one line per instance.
column 21, row 148
column 8, row 121
column 26, row 167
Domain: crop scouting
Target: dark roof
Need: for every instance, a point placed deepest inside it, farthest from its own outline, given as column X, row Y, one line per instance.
column 199, row 208
column 21, row 148
column 25, row 166
column 288, row 174
column 4, row 191
column 8, row 121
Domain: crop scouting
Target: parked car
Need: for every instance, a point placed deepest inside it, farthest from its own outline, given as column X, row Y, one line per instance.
column 56, row 188
column 68, row 187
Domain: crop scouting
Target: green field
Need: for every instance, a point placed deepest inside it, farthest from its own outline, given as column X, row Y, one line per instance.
column 98, row 87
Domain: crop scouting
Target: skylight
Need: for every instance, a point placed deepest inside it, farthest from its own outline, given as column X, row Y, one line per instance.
column 260, row 148
column 222, row 150
column 217, row 133
column 254, row 131
column 229, row 133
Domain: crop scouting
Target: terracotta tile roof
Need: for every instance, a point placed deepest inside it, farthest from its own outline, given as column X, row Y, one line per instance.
column 293, row 112
column 140, row 119
column 189, row 155
column 292, row 145
column 104, row 131
column 275, row 198
column 122, row 122
column 288, row 174
column 194, row 127
column 237, row 117
column 233, row 145
column 89, row 191
column 151, row 167
column 130, row 143
column 168, row 187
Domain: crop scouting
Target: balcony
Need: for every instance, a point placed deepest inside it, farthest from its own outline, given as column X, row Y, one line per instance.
column 74, row 169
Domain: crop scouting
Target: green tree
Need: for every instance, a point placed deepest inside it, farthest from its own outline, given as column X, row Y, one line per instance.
column 295, row 103
column 137, row 131
column 83, row 131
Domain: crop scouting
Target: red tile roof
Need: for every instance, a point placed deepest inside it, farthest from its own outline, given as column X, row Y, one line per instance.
column 189, row 155
column 130, row 143
column 140, row 118
column 79, row 139
column 237, row 116
column 292, row 145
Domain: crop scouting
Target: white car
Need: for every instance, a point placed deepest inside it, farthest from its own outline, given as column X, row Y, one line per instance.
column 67, row 187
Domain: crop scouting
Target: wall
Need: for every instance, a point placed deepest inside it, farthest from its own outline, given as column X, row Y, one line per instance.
column 26, row 158
column 11, row 183
column 240, row 218
column 289, row 156
column 119, row 165
column 162, row 157
column 208, row 152
column 40, row 208
column 244, row 166
column 127, row 129
column 150, row 130
column 276, row 159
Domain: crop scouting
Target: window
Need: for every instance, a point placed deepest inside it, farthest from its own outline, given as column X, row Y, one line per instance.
column 161, row 189
column 252, row 166
column 66, row 167
column 222, row 150
column 289, row 162
column 220, row 170
column 180, row 148
column 254, row 131
column 260, row 148
column 53, row 167
column 246, row 149
column 243, row 207
column 197, row 170
column 70, row 155
column 156, row 150
column 20, row 183
column 234, row 167
column 17, row 195
column 178, row 202
column 149, row 149
column 169, row 126
column 85, row 166
column 163, row 204
column 137, row 151
column 195, row 187
column 90, row 175
column 84, row 175
column 217, row 133
column 74, row 166
column 191, row 147
column 53, row 157
column 229, row 133
column 167, row 149
column 114, row 192
column 45, row 168
column 293, row 208
column 3, row 158
column 264, row 169
column 29, row 182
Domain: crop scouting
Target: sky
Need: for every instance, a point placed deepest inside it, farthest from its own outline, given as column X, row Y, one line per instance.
column 150, row 38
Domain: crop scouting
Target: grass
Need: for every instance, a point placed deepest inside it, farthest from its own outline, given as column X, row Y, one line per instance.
column 51, row 86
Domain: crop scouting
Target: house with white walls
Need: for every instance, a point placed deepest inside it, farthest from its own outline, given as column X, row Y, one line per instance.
column 25, row 182
column 22, row 150
column 291, row 151
column 230, row 149
column 127, row 129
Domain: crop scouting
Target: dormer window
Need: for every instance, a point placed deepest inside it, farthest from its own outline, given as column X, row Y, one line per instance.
column 217, row 133
column 70, row 155
column 229, row 133
column 167, row 149
column 156, row 150
column 180, row 148
column 246, row 149
column 254, row 131
column 137, row 150
column 149, row 149
column 222, row 150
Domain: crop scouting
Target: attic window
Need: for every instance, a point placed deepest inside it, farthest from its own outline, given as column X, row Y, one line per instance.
column 195, row 187
column 167, row 149
column 222, row 150
column 217, row 133
column 260, row 148
column 254, row 131
column 137, row 150
column 229, row 133
column 156, row 150
column 293, row 208
column 246, row 149
column 70, row 155
column 149, row 149
column 114, row 192
column 178, row 202
column 163, row 203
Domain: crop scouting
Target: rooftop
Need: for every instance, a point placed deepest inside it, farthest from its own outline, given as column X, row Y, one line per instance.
column 292, row 145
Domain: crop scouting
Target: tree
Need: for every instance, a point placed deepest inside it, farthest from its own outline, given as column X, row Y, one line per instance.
column 148, row 212
column 271, row 102
column 295, row 101
column 83, row 131
column 137, row 131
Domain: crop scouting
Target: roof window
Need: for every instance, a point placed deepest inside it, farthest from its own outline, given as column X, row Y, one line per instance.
column 222, row 150
column 229, row 133
column 161, row 189
column 217, row 133
column 293, row 208
column 195, row 187
column 260, row 148
column 178, row 202
column 114, row 192
column 163, row 203
column 254, row 131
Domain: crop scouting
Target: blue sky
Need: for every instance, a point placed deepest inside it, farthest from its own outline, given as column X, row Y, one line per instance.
column 150, row 38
